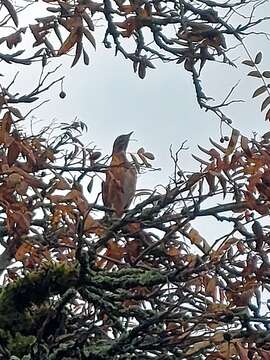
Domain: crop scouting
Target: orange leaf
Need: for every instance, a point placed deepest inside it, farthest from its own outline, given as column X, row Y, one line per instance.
column 22, row 251
column 127, row 8
column 211, row 288
column 62, row 184
column 133, row 249
column 114, row 250
column 242, row 352
column 195, row 237
column 74, row 36
column 92, row 226
column 130, row 24
column 14, row 150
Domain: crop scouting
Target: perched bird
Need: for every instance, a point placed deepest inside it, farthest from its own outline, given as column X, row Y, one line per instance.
column 119, row 187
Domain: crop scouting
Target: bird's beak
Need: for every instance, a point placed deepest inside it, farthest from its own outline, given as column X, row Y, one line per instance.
column 129, row 135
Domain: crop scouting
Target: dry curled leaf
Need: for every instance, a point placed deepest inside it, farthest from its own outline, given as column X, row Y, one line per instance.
column 74, row 37
column 233, row 141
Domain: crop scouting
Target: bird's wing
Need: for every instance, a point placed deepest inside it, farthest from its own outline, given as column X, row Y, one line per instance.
column 129, row 186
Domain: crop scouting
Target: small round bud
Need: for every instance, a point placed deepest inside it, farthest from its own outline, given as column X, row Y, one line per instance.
column 226, row 138
column 62, row 94
column 222, row 140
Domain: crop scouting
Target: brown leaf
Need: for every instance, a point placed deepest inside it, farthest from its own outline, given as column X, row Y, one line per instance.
column 267, row 115
column 21, row 188
column 265, row 355
column 128, row 9
column 210, row 178
column 22, row 221
column 62, row 184
column 15, row 38
column 258, row 232
column 211, row 288
column 223, row 183
column 130, row 25
column 74, row 37
column 31, row 180
column 221, row 148
column 22, row 251
column 233, row 142
column 92, row 226
column 251, row 266
column 14, row 180
column 242, row 352
column 200, row 160
column 145, row 162
column 192, row 180
column 141, row 151
column 244, row 146
column 114, row 250
column 13, row 152
column 173, row 251
column 133, row 249
column 195, row 237
column 136, row 162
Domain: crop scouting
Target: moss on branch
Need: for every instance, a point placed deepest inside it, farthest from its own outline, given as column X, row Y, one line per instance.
column 23, row 303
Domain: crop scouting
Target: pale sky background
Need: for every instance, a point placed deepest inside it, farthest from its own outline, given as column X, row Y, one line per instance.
column 161, row 109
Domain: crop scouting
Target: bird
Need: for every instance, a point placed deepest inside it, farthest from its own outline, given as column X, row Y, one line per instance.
column 118, row 189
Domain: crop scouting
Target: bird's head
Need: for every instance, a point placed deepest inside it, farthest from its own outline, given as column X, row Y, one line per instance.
column 121, row 143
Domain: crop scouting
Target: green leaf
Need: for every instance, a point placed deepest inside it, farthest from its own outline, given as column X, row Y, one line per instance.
column 266, row 74
column 259, row 91
column 248, row 63
column 79, row 48
column 255, row 74
column 149, row 155
column 265, row 103
column 11, row 10
column 90, row 37
column 85, row 58
column 258, row 58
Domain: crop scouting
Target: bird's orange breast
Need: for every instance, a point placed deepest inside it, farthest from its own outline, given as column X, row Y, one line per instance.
column 120, row 184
